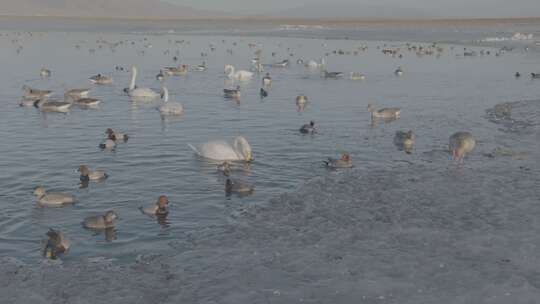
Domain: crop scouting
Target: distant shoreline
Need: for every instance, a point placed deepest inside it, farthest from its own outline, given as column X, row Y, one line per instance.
column 303, row 21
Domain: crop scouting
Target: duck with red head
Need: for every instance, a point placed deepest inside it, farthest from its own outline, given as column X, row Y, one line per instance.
column 157, row 208
column 343, row 162
column 87, row 175
column 100, row 221
column 116, row 136
column 109, row 143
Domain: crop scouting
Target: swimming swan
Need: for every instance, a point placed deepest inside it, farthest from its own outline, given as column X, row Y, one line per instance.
column 221, row 150
column 238, row 75
column 169, row 107
column 139, row 92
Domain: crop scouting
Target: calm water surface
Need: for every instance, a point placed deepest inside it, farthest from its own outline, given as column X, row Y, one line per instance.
column 439, row 95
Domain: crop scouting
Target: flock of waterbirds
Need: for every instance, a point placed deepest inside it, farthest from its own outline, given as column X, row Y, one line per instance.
column 460, row 143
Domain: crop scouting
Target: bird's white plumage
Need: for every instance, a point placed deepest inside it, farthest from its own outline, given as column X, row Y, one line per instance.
column 221, row 150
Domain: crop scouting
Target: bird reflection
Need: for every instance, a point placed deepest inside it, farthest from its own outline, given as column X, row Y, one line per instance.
column 375, row 121
column 109, row 233
column 84, row 184
column 162, row 220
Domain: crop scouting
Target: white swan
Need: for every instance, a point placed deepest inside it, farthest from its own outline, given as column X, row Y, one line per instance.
column 238, row 75
column 139, row 92
column 221, row 150
column 169, row 107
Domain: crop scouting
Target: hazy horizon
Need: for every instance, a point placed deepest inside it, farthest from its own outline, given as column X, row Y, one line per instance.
column 395, row 8
column 296, row 9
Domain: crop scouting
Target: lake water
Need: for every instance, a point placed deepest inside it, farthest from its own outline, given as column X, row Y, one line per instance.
column 397, row 228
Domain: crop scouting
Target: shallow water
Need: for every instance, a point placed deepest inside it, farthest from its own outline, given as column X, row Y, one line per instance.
column 334, row 229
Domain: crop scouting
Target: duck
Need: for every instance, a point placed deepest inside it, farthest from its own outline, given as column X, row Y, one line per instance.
column 343, row 162
column 308, row 128
column 87, row 175
column 176, row 71
column 108, row 144
column 200, row 67
column 404, row 140
column 267, row 80
column 31, row 93
column 281, row 64
column 101, row 79
column 357, row 76
column 517, row 75
column 263, row 93
column 100, row 221
column 169, row 107
column 239, row 187
column 384, row 112
column 219, row 150
column 27, row 102
column 398, row 71
column 53, row 199
column 333, row 75
column 160, row 76
column 535, row 75
column 87, row 102
column 77, row 93
column 45, row 72
column 241, row 75
column 157, row 208
column 232, row 93
column 461, row 143
column 55, row 244
column 53, row 105
column 116, row 136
